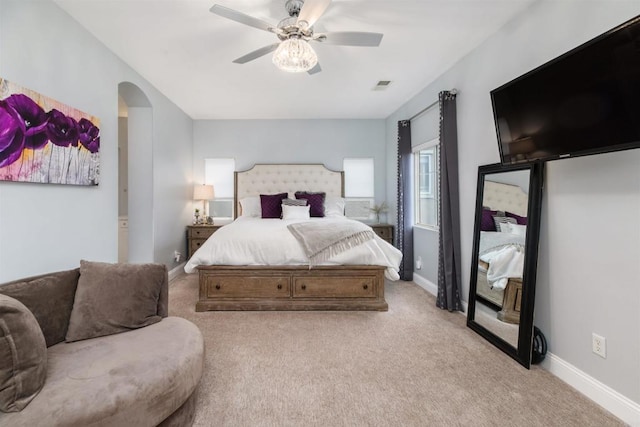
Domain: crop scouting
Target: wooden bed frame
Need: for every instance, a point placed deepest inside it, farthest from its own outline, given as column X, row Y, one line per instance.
column 345, row 287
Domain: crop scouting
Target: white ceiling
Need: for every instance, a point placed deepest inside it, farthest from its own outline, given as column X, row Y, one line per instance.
column 186, row 52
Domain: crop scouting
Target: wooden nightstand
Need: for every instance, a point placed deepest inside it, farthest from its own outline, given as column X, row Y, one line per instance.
column 385, row 231
column 197, row 234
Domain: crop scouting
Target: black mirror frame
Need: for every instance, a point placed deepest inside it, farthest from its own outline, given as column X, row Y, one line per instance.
column 522, row 353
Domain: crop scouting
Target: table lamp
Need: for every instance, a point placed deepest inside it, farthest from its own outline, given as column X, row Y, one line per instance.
column 205, row 193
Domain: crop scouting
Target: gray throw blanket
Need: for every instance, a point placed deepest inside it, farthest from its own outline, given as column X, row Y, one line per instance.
column 321, row 240
column 491, row 240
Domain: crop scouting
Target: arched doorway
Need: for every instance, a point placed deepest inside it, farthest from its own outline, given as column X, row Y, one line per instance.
column 135, row 192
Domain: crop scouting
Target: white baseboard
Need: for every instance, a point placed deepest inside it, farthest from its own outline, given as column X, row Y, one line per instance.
column 432, row 288
column 614, row 402
column 425, row 284
column 176, row 271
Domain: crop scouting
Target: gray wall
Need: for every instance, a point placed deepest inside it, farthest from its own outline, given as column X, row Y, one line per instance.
column 123, row 171
column 589, row 267
column 291, row 141
column 140, row 195
column 172, row 180
column 51, row 227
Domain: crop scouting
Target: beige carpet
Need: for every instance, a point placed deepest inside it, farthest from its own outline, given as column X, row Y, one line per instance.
column 414, row 365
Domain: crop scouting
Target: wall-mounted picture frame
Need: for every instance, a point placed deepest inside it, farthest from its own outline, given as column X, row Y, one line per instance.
column 45, row 141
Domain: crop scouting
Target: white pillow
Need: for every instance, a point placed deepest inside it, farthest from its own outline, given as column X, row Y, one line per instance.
column 295, row 212
column 334, row 206
column 500, row 221
column 251, row 206
column 520, row 230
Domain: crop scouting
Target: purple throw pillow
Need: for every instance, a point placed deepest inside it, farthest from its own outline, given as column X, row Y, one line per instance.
column 486, row 223
column 271, row 205
column 522, row 220
column 315, row 201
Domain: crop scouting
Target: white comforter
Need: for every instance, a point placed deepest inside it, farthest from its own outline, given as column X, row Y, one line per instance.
column 257, row 241
column 504, row 252
column 504, row 263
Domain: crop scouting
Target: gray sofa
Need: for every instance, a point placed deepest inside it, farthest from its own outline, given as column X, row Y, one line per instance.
column 146, row 376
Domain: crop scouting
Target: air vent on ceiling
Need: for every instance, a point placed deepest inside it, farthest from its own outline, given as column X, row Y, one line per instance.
column 382, row 85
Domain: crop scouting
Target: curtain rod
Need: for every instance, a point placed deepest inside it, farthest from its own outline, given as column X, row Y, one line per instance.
column 430, row 106
column 424, row 110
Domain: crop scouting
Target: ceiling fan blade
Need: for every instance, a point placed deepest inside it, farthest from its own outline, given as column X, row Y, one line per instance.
column 316, row 69
column 256, row 54
column 240, row 17
column 350, row 38
column 311, row 11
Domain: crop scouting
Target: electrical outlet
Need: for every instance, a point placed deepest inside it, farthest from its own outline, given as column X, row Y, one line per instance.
column 599, row 345
column 176, row 256
column 419, row 263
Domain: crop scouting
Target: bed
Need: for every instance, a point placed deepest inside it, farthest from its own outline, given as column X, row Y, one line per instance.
column 500, row 284
column 278, row 274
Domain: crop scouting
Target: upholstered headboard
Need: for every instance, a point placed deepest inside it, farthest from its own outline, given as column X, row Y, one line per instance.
column 505, row 197
column 281, row 178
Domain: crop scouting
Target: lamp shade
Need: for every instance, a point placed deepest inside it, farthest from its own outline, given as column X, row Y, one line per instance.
column 203, row 192
column 295, row 55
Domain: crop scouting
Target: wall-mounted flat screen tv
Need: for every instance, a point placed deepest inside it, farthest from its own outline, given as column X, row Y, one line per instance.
column 586, row 101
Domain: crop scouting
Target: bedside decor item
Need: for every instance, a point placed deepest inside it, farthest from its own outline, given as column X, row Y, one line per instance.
column 196, row 216
column 45, row 141
column 378, row 209
column 205, row 193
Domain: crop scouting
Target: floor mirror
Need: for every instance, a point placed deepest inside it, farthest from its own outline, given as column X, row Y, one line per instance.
column 504, row 257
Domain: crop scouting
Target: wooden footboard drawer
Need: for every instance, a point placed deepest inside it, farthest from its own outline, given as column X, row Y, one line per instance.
column 340, row 287
column 334, row 287
column 255, row 286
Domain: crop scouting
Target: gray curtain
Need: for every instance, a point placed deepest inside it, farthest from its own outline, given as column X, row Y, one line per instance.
column 404, row 230
column 449, row 277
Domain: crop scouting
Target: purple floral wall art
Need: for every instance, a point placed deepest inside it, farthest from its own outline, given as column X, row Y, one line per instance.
column 45, row 141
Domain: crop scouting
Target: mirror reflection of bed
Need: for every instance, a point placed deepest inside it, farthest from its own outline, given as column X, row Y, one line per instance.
column 501, row 254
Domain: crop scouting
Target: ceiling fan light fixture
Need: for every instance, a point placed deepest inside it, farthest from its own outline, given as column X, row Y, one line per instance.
column 295, row 56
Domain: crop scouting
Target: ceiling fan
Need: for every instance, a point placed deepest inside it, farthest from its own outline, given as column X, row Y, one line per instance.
column 293, row 52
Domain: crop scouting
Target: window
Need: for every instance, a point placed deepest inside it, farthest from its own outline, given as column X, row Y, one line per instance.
column 358, row 187
column 426, row 171
column 220, row 173
column 426, row 158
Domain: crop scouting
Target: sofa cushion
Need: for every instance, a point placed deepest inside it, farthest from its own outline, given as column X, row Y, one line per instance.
column 137, row 378
column 23, row 355
column 113, row 298
column 50, row 298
